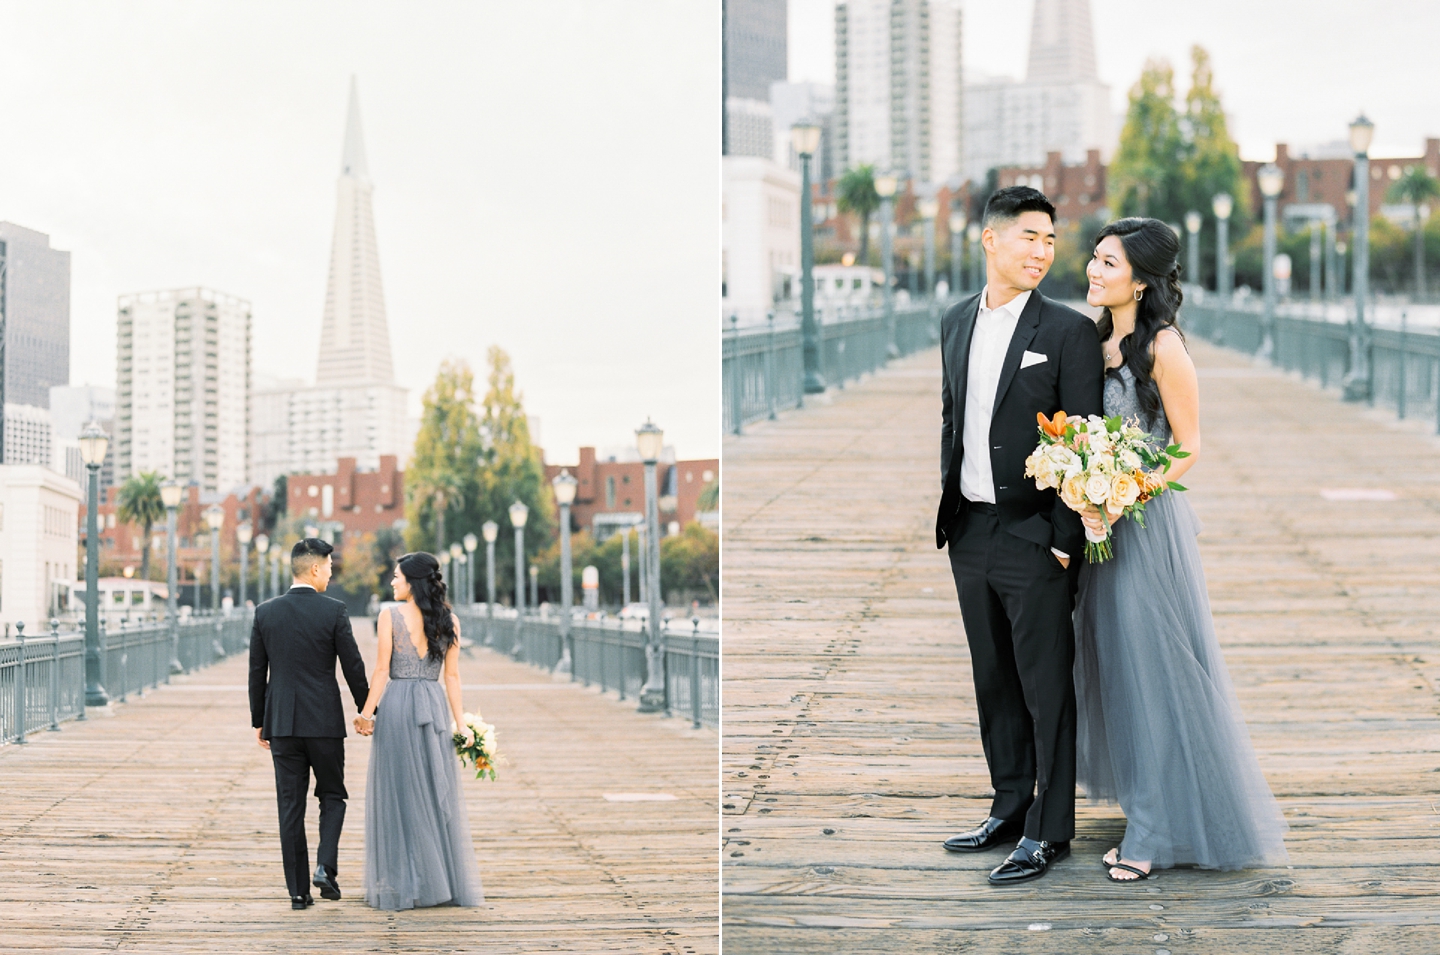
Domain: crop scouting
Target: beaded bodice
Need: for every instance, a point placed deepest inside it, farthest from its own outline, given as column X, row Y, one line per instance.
column 405, row 663
column 1121, row 399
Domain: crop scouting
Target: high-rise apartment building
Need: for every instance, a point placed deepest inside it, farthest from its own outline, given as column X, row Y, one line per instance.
column 36, row 315
column 898, row 88
column 183, row 387
column 754, row 57
column 1061, row 106
column 355, row 409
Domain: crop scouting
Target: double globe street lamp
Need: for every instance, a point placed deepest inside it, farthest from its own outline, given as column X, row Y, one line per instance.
column 93, row 442
column 171, row 493
column 650, row 442
column 885, row 186
column 565, row 487
column 1357, row 383
column 805, row 139
column 1272, row 180
column 1222, row 205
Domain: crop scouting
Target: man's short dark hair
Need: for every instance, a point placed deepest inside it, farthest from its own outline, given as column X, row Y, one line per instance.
column 307, row 552
column 1006, row 205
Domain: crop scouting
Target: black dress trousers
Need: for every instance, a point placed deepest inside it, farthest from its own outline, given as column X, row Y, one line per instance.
column 1015, row 599
column 294, row 758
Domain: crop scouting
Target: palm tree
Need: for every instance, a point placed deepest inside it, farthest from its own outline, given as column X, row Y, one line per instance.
column 1416, row 186
column 857, row 194
column 139, row 502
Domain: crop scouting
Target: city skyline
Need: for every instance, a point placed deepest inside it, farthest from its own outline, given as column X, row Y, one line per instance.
column 1286, row 71
column 515, row 206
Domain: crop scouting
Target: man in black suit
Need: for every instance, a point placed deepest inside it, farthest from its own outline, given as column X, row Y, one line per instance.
column 297, row 715
column 1010, row 353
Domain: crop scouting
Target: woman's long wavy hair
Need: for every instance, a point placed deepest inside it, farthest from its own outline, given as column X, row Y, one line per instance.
column 1153, row 252
column 427, row 586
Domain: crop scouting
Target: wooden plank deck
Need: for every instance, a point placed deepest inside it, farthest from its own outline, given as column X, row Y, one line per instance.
column 155, row 831
column 851, row 747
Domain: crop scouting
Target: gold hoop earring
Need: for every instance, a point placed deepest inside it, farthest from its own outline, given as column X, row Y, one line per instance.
column 1139, row 294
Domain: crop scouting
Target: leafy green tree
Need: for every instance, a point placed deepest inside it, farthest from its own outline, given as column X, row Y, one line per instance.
column 1417, row 187
column 139, row 502
column 709, row 499
column 1144, row 176
column 856, row 194
column 441, row 475
column 690, row 561
column 1170, row 162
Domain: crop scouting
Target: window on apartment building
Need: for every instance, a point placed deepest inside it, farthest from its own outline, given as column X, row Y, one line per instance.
column 327, row 500
column 610, row 492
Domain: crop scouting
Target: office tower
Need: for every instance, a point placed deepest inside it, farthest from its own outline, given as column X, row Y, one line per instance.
column 183, row 387
column 791, row 103
column 1061, row 106
column 36, row 316
column 355, row 409
column 754, row 39
column 72, row 407
column 898, row 89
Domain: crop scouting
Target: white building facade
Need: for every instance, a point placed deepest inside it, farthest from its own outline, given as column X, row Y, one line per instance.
column 899, row 102
column 29, row 435
column 355, row 409
column 39, row 539
column 183, row 387
column 1061, row 106
column 760, row 237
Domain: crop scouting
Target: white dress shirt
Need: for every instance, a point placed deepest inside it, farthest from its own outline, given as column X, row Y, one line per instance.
column 994, row 327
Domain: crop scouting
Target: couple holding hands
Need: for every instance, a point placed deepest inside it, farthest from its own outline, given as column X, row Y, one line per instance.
column 417, row 833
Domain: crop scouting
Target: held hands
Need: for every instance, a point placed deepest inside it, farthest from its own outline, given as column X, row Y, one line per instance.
column 365, row 726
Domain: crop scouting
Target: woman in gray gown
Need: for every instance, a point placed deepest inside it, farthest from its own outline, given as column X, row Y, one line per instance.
column 1159, row 726
column 417, row 832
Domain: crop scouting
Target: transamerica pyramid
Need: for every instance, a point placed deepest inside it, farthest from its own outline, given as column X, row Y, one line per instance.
column 1062, row 43
column 354, row 336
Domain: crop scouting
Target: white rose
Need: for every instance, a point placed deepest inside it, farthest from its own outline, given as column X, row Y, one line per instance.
column 1131, row 460
column 1097, row 488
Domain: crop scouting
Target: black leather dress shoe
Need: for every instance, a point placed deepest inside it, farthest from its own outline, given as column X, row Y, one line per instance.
column 989, row 834
column 298, row 902
column 1030, row 860
column 325, row 882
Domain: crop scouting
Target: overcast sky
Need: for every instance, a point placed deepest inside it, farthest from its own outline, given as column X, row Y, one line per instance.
column 1293, row 71
column 546, row 179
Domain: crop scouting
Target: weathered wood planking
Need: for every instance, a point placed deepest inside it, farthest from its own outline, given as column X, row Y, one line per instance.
column 851, row 746
column 155, row 831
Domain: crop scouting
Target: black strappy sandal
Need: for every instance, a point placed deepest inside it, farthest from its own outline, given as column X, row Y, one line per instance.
column 1140, row 874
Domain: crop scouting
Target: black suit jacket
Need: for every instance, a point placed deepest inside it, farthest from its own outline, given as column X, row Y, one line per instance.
column 1070, row 379
column 297, row 638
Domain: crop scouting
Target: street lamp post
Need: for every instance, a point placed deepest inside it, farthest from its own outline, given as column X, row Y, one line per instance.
column 957, row 236
column 1193, row 221
column 489, row 530
column 457, row 569
column 805, row 138
column 445, row 572
column 262, row 544
column 282, row 560
column 1272, row 180
column 215, row 518
column 244, row 534
column 170, row 495
column 1222, row 205
column 929, row 209
column 650, row 441
column 1357, row 379
column 977, row 267
column 93, row 442
column 1317, row 252
column 885, row 186
column 565, row 486
column 471, row 542
column 535, row 586
column 518, row 513
column 625, row 567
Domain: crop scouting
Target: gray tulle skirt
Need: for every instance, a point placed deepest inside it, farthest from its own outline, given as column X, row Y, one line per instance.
column 417, row 832
column 1159, row 728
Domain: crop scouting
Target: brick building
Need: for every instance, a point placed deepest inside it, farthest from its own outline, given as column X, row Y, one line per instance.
column 1315, row 182
column 121, row 544
column 1077, row 190
column 611, row 493
column 350, row 501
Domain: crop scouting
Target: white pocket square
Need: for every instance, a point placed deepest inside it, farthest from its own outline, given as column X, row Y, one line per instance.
column 1031, row 358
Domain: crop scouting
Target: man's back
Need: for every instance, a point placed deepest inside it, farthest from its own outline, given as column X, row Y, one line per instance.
column 295, row 641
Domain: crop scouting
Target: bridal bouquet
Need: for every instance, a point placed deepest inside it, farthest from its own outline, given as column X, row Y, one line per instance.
column 478, row 748
column 1104, row 463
